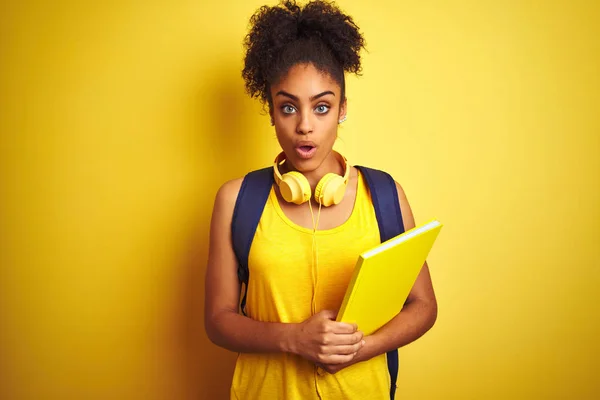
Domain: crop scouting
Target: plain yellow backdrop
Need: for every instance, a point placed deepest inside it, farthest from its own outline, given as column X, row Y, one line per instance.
column 119, row 121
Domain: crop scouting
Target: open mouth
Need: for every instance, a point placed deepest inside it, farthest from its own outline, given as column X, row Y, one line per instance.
column 306, row 151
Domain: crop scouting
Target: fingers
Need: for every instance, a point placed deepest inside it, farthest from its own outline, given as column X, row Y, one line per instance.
column 354, row 338
column 338, row 327
column 343, row 349
column 343, row 328
column 343, row 339
column 336, row 358
column 331, row 342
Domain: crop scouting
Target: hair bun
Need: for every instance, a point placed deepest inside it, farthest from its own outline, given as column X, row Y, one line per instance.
column 286, row 34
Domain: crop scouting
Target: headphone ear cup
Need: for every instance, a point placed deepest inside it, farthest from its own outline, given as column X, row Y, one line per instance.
column 294, row 187
column 330, row 190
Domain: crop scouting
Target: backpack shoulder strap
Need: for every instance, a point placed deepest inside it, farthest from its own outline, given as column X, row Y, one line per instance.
column 385, row 201
column 389, row 218
column 248, row 209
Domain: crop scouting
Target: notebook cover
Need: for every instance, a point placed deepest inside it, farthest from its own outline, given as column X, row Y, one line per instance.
column 383, row 278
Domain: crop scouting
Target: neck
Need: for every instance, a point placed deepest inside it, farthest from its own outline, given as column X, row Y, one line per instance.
column 330, row 164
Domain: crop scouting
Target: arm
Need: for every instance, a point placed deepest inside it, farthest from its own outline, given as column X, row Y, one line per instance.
column 227, row 328
column 417, row 316
column 224, row 326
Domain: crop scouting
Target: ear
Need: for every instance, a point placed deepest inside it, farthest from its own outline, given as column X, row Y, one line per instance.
column 343, row 110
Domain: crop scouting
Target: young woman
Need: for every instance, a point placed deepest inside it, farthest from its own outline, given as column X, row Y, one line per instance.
column 305, row 249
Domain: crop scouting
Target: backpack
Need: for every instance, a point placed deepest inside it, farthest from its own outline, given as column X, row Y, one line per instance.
column 253, row 196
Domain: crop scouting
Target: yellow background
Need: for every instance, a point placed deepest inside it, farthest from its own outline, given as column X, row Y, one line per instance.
column 119, row 120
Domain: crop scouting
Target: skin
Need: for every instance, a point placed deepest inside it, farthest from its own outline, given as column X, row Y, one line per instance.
column 306, row 107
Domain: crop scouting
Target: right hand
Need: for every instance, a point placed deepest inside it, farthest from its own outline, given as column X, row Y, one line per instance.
column 323, row 340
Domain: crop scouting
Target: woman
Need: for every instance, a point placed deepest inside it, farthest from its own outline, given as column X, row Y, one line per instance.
column 289, row 344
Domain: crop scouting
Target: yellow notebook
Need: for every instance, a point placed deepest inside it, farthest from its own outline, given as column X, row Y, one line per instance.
column 384, row 276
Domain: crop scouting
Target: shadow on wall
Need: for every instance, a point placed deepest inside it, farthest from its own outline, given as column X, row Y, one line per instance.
column 226, row 124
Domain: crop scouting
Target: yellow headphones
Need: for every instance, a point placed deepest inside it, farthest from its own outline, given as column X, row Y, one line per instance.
column 294, row 186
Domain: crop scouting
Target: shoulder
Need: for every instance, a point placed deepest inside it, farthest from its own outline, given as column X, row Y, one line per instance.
column 225, row 200
column 259, row 180
column 405, row 208
column 228, row 191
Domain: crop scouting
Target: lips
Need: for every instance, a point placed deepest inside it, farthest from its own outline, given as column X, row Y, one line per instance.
column 306, row 149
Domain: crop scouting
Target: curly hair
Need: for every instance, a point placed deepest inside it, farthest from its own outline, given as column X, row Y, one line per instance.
column 286, row 35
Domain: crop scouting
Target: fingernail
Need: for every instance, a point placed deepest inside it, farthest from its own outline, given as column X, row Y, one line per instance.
column 363, row 342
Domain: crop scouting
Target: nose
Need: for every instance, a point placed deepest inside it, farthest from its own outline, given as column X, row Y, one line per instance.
column 305, row 124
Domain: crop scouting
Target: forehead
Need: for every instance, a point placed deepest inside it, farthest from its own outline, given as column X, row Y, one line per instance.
column 304, row 80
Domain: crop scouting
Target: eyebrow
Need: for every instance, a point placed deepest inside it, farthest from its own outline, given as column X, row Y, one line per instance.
column 316, row 96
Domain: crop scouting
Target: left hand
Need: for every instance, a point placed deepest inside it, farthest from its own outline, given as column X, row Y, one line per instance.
column 359, row 356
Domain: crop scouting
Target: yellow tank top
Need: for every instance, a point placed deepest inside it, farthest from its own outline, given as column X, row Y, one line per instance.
column 281, row 290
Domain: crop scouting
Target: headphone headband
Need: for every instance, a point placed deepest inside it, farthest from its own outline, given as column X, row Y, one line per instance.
column 281, row 157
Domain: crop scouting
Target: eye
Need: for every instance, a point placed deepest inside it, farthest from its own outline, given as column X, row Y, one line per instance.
column 322, row 109
column 287, row 109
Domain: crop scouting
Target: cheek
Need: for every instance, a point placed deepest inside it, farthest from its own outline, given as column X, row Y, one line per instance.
column 283, row 133
column 332, row 129
column 284, row 126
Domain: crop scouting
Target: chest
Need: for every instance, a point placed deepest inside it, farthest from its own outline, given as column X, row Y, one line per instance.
column 328, row 217
column 293, row 272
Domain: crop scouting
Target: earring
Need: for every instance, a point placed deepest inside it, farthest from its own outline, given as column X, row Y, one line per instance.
column 342, row 120
column 272, row 122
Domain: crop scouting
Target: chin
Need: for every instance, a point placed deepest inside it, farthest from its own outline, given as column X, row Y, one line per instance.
column 305, row 164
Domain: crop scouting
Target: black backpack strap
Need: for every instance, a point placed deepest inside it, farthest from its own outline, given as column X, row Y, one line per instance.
column 389, row 218
column 249, row 207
